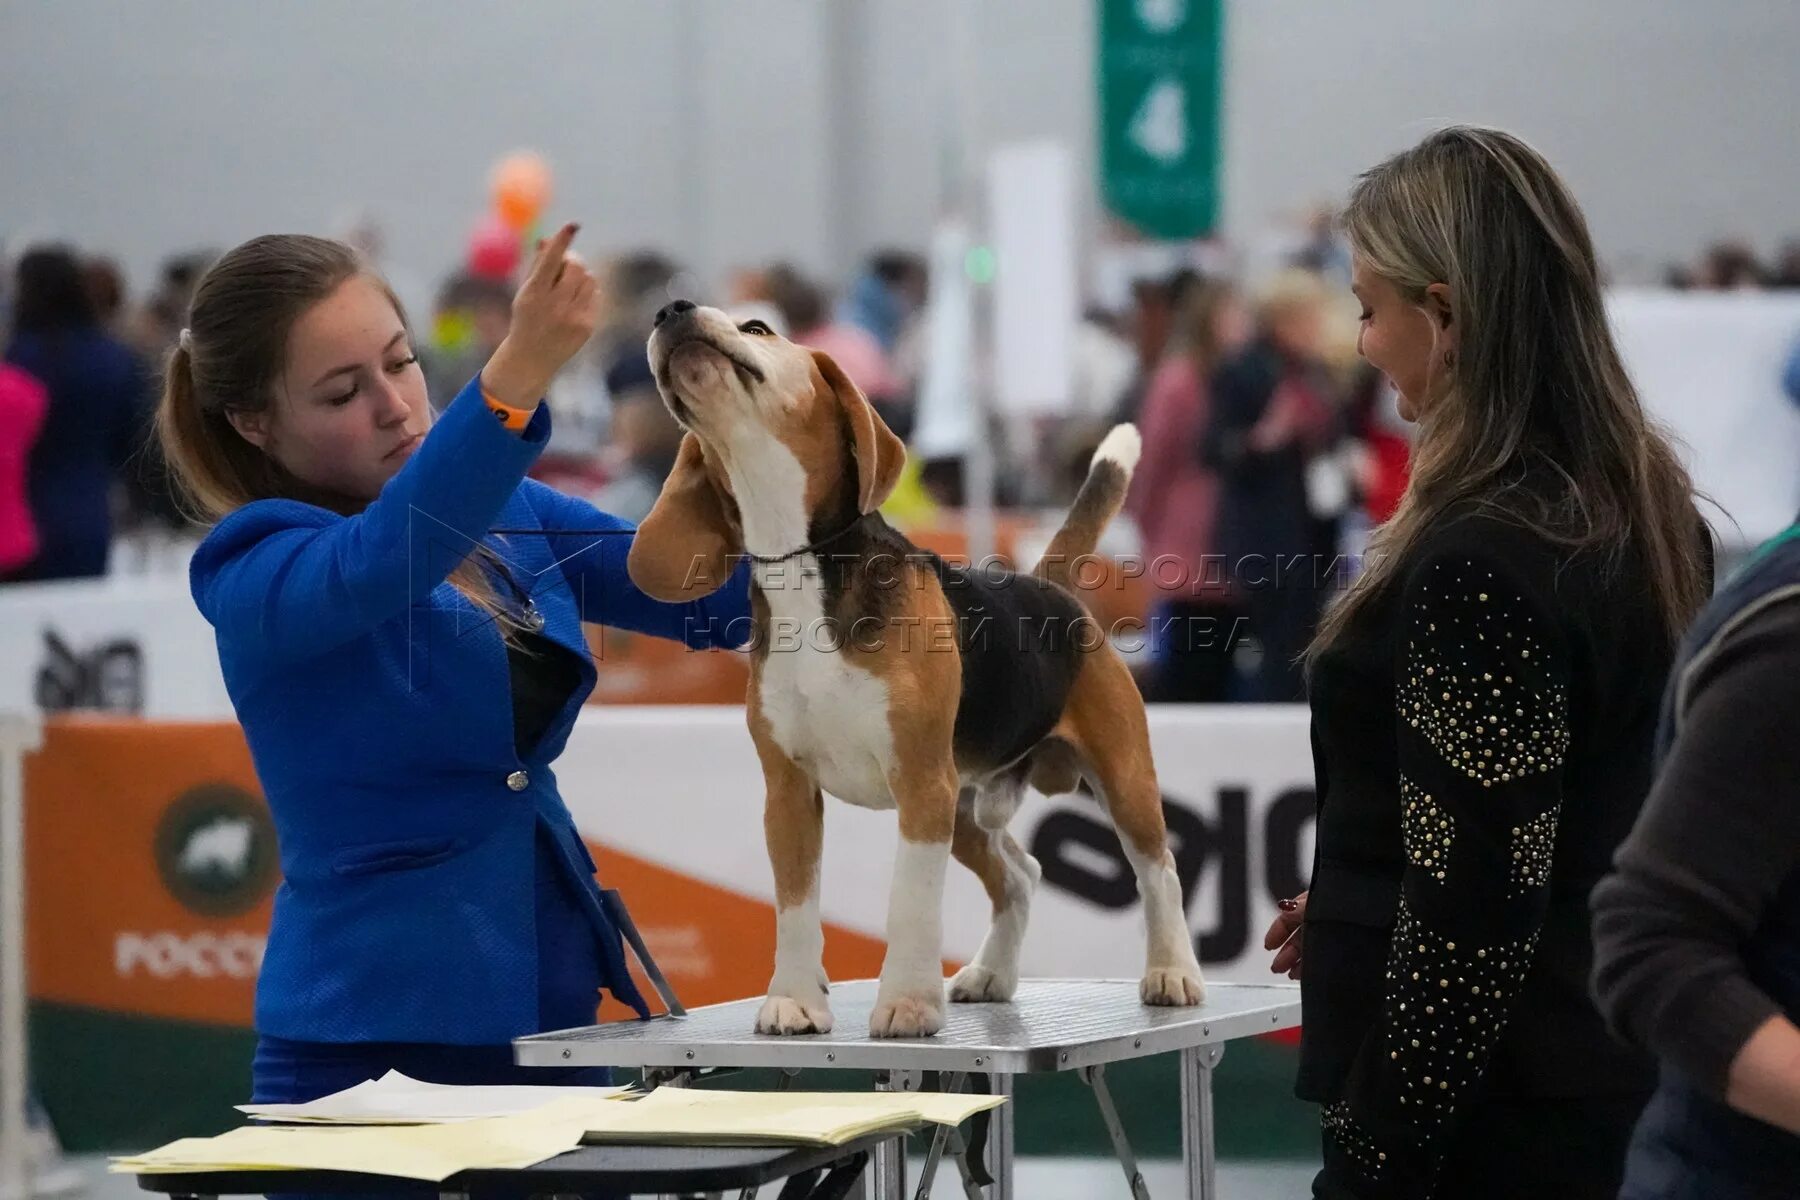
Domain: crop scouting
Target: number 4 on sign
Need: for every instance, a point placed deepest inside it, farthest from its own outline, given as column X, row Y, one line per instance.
column 1159, row 127
column 1161, row 16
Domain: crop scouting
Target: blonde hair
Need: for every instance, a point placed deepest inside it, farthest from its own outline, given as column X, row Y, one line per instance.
column 1291, row 290
column 228, row 360
column 1536, row 383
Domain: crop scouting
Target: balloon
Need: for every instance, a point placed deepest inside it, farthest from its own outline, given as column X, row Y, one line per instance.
column 521, row 185
column 493, row 249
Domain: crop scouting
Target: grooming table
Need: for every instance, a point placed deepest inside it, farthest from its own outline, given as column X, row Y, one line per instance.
column 1052, row 1025
column 812, row 1173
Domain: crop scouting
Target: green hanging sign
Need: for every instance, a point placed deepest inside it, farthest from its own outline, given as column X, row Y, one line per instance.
column 1158, row 67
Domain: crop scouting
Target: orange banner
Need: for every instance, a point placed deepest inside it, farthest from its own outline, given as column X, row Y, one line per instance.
column 151, row 864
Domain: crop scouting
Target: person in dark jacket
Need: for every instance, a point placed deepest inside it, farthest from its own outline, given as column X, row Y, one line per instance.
column 1484, row 701
column 1270, row 416
column 90, row 432
column 1697, row 930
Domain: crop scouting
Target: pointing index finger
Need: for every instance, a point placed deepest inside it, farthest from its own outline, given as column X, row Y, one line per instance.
column 550, row 255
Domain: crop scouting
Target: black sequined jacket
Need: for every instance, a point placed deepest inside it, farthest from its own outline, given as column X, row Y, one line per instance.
column 1482, row 739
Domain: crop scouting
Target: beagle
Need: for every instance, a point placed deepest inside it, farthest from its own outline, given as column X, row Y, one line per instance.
column 894, row 679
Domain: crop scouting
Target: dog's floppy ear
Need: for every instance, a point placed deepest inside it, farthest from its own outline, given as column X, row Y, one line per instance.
column 880, row 454
column 684, row 548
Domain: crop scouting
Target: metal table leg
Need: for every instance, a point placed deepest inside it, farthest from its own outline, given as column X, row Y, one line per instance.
column 887, row 1169
column 1198, row 1152
column 1000, row 1140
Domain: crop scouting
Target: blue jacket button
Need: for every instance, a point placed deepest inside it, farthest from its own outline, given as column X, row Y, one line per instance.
column 518, row 781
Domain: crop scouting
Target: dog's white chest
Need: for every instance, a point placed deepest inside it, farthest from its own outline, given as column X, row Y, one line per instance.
column 827, row 715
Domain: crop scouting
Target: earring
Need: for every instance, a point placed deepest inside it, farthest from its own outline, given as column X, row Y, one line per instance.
column 1449, row 358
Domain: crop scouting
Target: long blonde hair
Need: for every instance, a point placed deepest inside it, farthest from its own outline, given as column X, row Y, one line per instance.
column 1536, row 384
column 229, row 359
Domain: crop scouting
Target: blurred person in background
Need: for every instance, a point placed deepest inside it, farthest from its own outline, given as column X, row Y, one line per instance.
column 1380, row 456
column 884, row 297
column 1174, row 499
column 806, row 311
column 1373, row 416
column 1148, row 324
column 150, row 515
column 1697, row 930
column 1325, row 252
column 106, row 291
column 1271, row 415
column 1484, row 701
column 152, row 328
column 154, row 325
column 887, row 300
column 96, row 388
column 23, row 403
column 644, row 443
column 1730, row 266
column 1787, row 267
column 635, row 286
column 468, row 324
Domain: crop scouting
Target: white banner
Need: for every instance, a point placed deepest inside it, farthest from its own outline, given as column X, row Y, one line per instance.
column 681, row 787
column 1710, row 367
column 125, row 644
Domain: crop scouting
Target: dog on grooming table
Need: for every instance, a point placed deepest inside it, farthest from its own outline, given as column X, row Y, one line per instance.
column 894, row 679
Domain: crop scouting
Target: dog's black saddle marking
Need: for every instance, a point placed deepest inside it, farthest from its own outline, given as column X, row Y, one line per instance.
column 1021, row 639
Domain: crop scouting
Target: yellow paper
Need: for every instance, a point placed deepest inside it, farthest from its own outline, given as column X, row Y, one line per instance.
column 428, row 1152
column 936, row 1108
column 704, row 1116
column 396, row 1099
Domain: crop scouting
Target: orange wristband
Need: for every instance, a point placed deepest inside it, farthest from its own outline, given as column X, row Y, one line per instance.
column 512, row 419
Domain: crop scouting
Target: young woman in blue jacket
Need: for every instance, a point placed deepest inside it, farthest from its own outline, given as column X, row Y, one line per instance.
column 398, row 613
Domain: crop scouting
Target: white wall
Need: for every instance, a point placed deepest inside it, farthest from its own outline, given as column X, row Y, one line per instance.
column 735, row 130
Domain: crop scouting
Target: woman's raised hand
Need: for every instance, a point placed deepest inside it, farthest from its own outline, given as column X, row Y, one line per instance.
column 553, row 315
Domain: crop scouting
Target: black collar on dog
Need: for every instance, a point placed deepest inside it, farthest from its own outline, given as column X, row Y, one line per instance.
column 767, row 559
column 771, row 559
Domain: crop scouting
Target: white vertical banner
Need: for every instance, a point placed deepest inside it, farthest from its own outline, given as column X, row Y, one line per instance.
column 1031, row 209
column 944, row 426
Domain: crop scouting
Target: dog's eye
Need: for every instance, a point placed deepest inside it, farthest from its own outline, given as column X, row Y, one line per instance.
column 759, row 328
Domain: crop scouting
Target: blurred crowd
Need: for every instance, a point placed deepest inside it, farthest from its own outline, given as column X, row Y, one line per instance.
column 1732, row 265
column 1270, row 450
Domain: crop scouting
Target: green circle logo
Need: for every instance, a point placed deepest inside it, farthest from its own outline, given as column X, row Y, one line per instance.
column 215, row 850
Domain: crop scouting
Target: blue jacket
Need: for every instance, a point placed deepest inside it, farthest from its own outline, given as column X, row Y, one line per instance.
column 375, row 700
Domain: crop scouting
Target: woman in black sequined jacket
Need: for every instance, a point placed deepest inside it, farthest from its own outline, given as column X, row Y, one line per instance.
column 1485, row 700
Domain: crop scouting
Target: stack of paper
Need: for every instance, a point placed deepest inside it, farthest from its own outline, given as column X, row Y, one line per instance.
column 431, row 1152
column 706, row 1117
column 397, row 1099
column 434, row 1136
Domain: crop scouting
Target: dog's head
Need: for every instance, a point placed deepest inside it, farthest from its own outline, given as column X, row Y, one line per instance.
column 759, row 412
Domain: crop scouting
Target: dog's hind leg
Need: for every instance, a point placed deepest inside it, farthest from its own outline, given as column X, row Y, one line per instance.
column 1010, row 875
column 1105, row 719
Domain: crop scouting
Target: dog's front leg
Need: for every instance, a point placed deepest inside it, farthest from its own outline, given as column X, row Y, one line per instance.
column 910, row 1001
column 794, row 826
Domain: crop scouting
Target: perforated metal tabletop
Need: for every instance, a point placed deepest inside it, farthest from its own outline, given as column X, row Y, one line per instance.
column 1051, row 1025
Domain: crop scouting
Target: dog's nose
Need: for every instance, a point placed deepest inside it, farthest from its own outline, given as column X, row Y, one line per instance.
column 674, row 309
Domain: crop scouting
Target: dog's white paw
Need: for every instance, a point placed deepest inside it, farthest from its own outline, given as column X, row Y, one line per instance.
column 1175, row 987
column 786, row 1015
column 976, row 984
column 908, row 1014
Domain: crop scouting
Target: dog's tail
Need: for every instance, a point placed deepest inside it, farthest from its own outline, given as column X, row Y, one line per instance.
column 1101, row 496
